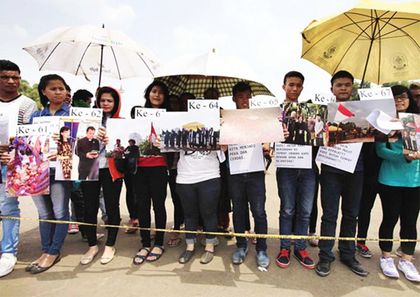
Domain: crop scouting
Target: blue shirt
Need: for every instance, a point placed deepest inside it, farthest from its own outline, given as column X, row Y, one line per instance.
column 45, row 112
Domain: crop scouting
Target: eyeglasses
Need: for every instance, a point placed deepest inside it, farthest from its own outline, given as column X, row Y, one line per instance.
column 401, row 97
column 7, row 77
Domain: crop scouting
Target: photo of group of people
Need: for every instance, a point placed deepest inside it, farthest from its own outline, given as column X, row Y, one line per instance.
column 78, row 149
column 411, row 132
column 190, row 131
column 305, row 123
column 28, row 168
column 347, row 121
column 192, row 136
column 127, row 138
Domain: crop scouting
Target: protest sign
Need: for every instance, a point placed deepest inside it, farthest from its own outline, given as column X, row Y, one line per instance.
column 245, row 158
column 341, row 156
column 323, row 98
column 130, row 136
column 148, row 113
column 198, row 130
column 203, row 104
column 347, row 121
column 86, row 112
column 411, row 132
column 375, row 94
column 305, row 123
column 245, row 126
column 293, row 156
column 28, row 168
column 78, row 148
column 263, row 102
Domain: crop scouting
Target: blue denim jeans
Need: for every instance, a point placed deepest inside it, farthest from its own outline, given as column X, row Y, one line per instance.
column 9, row 206
column 333, row 186
column 200, row 200
column 243, row 189
column 54, row 206
column 296, row 188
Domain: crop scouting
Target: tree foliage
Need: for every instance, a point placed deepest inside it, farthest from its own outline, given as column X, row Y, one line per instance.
column 30, row 91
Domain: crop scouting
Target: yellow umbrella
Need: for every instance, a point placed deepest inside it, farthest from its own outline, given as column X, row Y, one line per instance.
column 375, row 41
column 193, row 126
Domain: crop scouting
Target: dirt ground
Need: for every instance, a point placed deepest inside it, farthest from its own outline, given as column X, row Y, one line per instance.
column 167, row 277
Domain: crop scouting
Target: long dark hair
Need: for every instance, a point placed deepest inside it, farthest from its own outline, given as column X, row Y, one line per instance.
column 43, row 82
column 114, row 94
column 398, row 90
column 165, row 91
column 62, row 129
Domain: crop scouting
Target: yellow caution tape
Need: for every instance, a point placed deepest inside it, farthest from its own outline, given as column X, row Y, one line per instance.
column 233, row 234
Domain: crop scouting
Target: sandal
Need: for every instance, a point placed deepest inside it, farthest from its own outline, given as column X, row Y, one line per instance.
column 139, row 258
column 152, row 257
column 207, row 257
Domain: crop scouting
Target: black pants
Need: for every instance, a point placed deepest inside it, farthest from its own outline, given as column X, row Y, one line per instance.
column 178, row 211
column 150, row 187
column 314, row 213
column 112, row 191
column 130, row 196
column 370, row 190
column 76, row 197
column 200, row 199
column 399, row 203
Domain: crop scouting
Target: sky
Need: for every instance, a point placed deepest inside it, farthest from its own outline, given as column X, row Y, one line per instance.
column 264, row 34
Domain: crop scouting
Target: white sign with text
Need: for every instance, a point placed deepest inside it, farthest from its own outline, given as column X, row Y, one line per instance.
column 323, row 98
column 375, row 93
column 203, row 104
column 244, row 158
column 293, row 156
column 259, row 102
column 148, row 113
column 341, row 156
column 86, row 112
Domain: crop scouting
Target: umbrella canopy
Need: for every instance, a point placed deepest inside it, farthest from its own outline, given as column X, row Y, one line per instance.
column 198, row 73
column 89, row 50
column 376, row 42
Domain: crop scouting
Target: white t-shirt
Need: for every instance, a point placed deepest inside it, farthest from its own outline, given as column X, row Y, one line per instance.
column 198, row 166
column 19, row 112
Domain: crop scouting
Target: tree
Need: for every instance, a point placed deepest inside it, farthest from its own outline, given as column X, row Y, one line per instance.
column 31, row 92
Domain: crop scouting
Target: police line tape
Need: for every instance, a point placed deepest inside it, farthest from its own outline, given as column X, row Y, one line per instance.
column 233, row 234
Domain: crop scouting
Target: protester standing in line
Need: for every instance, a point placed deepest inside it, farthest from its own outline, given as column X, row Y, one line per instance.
column 336, row 184
column 54, row 206
column 399, row 188
column 110, row 180
column 23, row 107
column 296, row 189
column 151, row 182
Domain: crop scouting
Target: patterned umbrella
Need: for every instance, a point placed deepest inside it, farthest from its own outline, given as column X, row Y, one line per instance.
column 198, row 73
column 375, row 41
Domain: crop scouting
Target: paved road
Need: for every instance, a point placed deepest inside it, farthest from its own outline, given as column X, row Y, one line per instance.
column 169, row 278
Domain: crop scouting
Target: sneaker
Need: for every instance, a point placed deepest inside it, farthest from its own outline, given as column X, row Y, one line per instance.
column 239, row 255
column 323, row 268
column 73, row 229
column 7, row 264
column 388, row 267
column 356, row 267
column 262, row 259
column 363, row 250
column 283, row 258
column 304, row 259
column 409, row 270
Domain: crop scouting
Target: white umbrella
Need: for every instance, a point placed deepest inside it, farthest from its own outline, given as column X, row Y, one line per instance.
column 90, row 50
column 194, row 74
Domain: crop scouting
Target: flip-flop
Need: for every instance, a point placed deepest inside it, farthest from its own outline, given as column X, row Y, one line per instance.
column 155, row 255
column 139, row 259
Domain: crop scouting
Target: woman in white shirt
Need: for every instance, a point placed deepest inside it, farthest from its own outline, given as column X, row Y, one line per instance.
column 198, row 186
